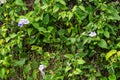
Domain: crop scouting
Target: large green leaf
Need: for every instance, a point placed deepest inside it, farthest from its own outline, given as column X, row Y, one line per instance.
column 2, row 73
column 102, row 44
column 46, row 19
column 112, row 77
column 34, row 74
column 27, row 69
column 20, row 62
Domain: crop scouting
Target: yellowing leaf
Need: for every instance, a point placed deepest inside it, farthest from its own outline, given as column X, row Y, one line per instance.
column 110, row 53
column 118, row 53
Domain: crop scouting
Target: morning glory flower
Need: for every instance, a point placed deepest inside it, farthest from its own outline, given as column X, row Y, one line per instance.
column 22, row 22
column 41, row 68
column 2, row 1
column 92, row 34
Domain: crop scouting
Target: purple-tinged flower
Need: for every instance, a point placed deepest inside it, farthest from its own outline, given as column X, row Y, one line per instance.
column 41, row 68
column 92, row 34
column 22, row 22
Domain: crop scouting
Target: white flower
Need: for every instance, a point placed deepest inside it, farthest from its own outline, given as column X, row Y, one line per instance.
column 2, row 1
column 92, row 34
column 68, row 64
column 41, row 68
column 22, row 22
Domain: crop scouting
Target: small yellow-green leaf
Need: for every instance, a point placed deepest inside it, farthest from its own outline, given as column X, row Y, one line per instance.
column 70, row 15
column 110, row 53
column 118, row 53
column 77, row 71
column 55, row 9
column 106, row 34
column 80, row 61
column 67, row 68
column 112, row 77
column 82, row 8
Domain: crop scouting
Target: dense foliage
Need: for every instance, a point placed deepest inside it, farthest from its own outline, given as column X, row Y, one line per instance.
column 59, row 39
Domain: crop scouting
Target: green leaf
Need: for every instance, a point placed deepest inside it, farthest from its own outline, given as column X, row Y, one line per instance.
column 13, row 35
column 77, row 71
column 70, row 15
column 7, row 39
column 46, row 19
column 110, row 53
column 29, row 14
column 85, row 41
column 36, row 25
column 61, row 2
column 112, row 77
column 103, row 78
column 74, row 8
column 29, row 31
column 69, row 56
column 34, row 74
column 72, row 40
column 102, row 44
column 67, row 68
column 20, row 62
column 35, row 64
column 106, row 34
column 82, row 8
column 62, row 14
column 37, row 6
column 2, row 73
column 80, row 61
column 42, row 29
column 55, row 9
column 50, row 28
column 27, row 69
column 19, row 2
column 29, row 78
column 34, row 47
